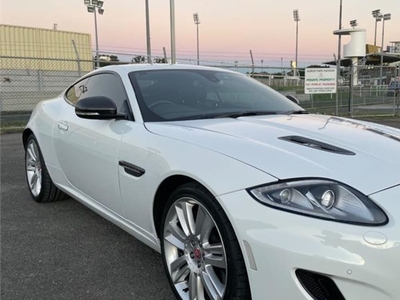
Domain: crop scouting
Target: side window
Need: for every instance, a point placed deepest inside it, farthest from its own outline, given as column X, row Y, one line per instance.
column 107, row 85
column 75, row 92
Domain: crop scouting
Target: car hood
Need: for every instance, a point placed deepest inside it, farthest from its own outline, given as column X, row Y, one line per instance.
column 361, row 154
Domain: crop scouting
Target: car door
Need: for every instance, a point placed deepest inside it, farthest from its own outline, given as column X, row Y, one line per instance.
column 87, row 150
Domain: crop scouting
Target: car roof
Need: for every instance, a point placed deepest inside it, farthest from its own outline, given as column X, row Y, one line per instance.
column 126, row 69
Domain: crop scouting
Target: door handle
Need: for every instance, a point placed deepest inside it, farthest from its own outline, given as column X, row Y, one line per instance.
column 63, row 127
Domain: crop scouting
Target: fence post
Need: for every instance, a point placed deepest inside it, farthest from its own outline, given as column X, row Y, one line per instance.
column 397, row 89
column 252, row 62
column 78, row 60
column 312, row 101
column 351, row 90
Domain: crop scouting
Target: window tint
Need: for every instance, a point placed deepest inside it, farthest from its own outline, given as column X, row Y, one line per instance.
column 168, row 95
column 76, row 91
column 107, row 85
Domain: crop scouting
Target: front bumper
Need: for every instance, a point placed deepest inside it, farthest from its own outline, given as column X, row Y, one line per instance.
column 363, row 262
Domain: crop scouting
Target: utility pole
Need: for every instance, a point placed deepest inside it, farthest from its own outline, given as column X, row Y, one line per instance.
column 385, row 17
column 172, row 21
column 197, row 22
column 339, row 61
column 97, row 41
column 91, row 8
column 296, row 19
column 377, row 15
column 148, row 33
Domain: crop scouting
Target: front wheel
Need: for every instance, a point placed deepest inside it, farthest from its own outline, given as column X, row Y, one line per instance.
column 200, row 251
column 41, row 187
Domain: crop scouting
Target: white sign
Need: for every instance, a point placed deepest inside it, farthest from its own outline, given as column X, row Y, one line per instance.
column 320, row 81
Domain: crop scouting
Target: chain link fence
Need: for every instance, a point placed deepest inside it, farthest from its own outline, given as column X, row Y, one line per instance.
column 26, row 81
column 362, row 91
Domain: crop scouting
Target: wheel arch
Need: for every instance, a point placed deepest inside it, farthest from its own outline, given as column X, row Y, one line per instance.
column 25, row 134
column 167, row 186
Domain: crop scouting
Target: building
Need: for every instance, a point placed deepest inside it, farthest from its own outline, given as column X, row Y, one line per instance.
column 38, row 64
column 31, row 48
column 394, row 48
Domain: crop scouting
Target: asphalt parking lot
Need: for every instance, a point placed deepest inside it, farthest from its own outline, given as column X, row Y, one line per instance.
column 63, row 250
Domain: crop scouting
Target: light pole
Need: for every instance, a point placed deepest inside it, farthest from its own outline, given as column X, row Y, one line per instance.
column 172, row 22
column 91, row 8
column 148, row 33
column 385, row 17
column 197, row 22
column 296, row 19
column 353, row 23
column 378, row 17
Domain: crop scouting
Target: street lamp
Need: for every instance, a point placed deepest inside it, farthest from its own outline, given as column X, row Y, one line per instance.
column 296, row 19
column 197, row 22
column 385, row 17
column 353, row 23
column 91, row 8
column 378, row 17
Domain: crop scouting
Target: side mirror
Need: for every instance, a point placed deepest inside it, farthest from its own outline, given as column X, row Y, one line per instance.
column 293, row 99
column 98, row 108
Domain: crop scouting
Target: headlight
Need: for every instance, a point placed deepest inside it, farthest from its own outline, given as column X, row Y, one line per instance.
column 323, row 199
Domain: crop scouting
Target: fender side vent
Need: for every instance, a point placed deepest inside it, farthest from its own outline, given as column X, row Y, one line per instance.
column 316, row 144
column 131, row 169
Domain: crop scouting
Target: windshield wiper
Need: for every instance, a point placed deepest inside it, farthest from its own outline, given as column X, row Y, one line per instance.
column 241, row 114
column 297, row 112
column 233, row 115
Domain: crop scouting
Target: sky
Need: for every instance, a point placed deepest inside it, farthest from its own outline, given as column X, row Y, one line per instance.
column 229, row 29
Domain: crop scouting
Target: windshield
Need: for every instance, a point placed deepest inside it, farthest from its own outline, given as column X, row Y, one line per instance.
column 171, row 95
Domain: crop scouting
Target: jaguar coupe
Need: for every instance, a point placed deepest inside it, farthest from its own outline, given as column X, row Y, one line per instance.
column 244, row 193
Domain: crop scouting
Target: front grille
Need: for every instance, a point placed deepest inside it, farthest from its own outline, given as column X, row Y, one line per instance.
column 318, row 286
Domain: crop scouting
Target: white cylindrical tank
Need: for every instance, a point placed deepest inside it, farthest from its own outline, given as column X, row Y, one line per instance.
column 356, row 47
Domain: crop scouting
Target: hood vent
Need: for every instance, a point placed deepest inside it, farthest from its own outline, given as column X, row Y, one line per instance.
column 316, row 145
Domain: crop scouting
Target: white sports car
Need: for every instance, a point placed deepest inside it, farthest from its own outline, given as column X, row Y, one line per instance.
column 245, row 194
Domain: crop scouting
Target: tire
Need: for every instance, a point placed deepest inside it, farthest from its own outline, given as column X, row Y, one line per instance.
column 40, row 185
column 200, row 252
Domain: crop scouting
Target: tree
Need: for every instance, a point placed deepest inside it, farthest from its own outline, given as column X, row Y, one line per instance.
column 138, row 59
column 317, row 66
column 114, row 58
column 160, row 60
column 107, row 60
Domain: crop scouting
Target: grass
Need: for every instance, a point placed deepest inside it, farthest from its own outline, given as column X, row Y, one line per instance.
column 384, row 120
column 12, row 126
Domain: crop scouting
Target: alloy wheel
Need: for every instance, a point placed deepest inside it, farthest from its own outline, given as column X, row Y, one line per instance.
column 33, row 168
column 194, row 251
